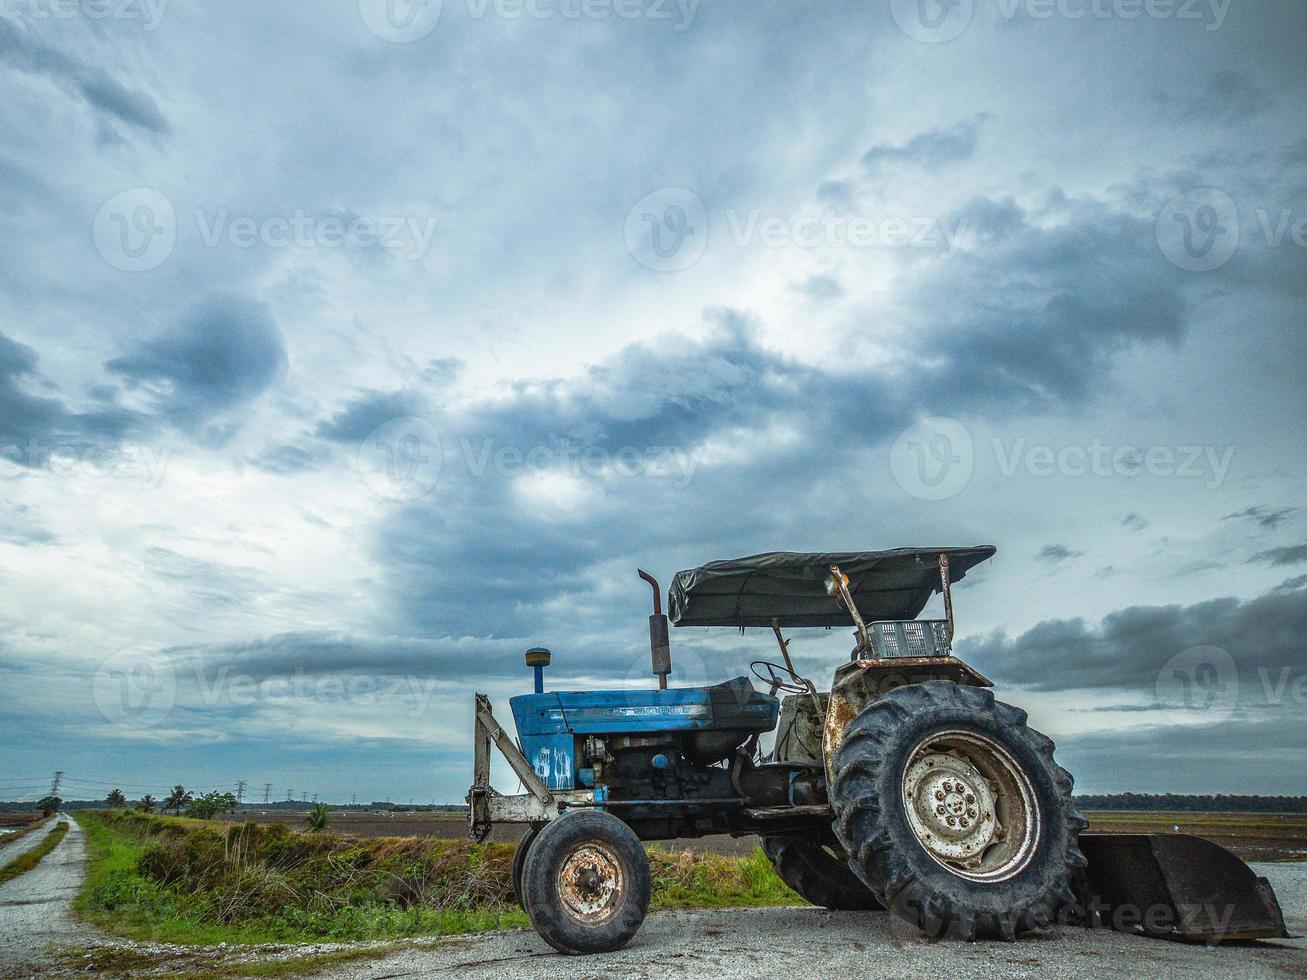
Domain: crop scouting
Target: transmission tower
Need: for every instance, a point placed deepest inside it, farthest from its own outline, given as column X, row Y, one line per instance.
column 54, row 783
column 240, row 791
column 267, row 792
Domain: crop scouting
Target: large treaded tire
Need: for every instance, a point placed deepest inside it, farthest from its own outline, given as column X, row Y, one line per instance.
column 817, row 876
column 552, row 862
column 873, row 825
column 519, row 862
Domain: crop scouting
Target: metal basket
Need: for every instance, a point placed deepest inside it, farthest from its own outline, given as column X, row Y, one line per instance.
column 909, row 638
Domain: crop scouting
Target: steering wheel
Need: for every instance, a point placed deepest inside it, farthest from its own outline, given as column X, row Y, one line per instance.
column 771, row 674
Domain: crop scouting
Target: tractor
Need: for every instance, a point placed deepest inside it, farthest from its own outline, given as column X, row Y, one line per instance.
column 905, row 786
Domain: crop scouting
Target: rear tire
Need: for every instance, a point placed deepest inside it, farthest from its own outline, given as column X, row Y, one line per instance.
column 954, row 813
column 585, row 882
column 818, row 876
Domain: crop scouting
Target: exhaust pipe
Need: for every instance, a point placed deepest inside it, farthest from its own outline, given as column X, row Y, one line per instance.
column 660, row 645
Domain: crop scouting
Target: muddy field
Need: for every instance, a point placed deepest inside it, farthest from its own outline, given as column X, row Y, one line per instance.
column 1252, row 836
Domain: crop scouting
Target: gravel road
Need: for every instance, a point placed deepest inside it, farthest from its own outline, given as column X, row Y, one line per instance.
column 36, row 918
column 788, row 942
column 35, row 908
column 28, row 841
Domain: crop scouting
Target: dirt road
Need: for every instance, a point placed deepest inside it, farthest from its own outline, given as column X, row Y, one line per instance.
column 793, row 942
column 36, row 907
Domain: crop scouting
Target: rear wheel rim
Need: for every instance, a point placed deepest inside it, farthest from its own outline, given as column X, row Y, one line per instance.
column 971, row 806
column 591, row 883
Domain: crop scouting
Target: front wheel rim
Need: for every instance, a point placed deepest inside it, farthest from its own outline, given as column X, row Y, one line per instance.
column 970, row 805
column 591, row 883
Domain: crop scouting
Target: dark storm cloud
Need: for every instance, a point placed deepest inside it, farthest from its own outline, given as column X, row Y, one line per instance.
column 368, row 410
column 819, row 288
column 210, row 582
column 1056, row 553
column 1128, row 649
column 225, row 352
column 930, row 150
column 1248, row 753
column 288, row 459
column 100, row 90
column 34, row 426
column 1266, row 517
column 1030, row 322
column 19, row 526
column 1230, row 96
column 1294, row 554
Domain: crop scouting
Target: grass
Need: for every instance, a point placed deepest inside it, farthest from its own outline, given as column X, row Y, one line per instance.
column 165, row 879
column 32, row 858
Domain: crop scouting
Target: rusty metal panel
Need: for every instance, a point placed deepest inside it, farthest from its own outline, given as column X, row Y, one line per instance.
column 1173, row 886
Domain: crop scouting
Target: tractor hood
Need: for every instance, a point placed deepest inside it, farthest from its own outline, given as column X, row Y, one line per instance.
column 789, row 587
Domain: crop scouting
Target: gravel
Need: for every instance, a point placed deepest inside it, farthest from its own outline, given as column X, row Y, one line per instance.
column 36, row 920
column 804, row 941
column 36, row 907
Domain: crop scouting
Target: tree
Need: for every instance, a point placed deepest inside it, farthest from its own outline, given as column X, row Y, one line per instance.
column 210, row 805
column 147, row 804
column 115, row 798
column 177, row 799
column 49, row 804
column 319, row 817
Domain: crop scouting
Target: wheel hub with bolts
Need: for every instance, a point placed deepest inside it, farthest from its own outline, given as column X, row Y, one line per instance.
column 952, row 807
column 970, row 806
column 590, row 882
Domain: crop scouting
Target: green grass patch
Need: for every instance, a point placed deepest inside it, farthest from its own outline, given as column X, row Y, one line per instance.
column 32, row 858
column 197, row 882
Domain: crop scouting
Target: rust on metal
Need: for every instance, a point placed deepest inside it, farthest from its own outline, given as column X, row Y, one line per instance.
column 948, row 593
column 590, row 882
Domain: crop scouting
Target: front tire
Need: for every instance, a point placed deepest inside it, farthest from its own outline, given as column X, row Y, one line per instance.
column 519, row 862
column 586, row 883
column 954, row 813
column 820, row 878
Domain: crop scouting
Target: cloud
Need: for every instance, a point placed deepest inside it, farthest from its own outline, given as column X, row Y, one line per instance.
column 1294, row 554
column 1132, row 522
column 224, row 353
column 1054, row 554
column 1229, row 97
column 367, row 411
column 1129, row 648
column 32, row 427
column 19, row 526
column 819, row 288
column 1266, row 517
column 930, row 150
column 100, row 90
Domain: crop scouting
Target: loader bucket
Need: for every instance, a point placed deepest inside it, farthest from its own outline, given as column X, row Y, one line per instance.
column 1173, row 886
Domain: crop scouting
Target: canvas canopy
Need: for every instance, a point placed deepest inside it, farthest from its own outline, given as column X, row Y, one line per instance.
column 789, row 587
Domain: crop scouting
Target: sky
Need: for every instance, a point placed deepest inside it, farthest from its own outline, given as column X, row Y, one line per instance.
column 348, row 349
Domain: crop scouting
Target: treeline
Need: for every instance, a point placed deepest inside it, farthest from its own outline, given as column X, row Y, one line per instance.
column 1183, row 802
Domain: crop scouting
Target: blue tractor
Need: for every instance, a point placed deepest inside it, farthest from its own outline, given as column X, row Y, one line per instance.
column 905, row 785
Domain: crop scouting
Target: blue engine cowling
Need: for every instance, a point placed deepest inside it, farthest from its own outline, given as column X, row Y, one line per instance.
column 710, row 723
